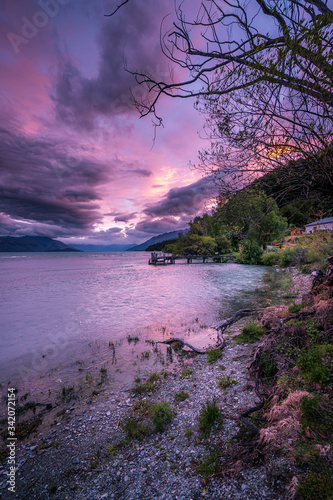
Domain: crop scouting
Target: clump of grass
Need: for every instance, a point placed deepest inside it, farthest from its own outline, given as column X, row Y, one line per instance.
column 103, row 373
column 186, row 372
column 143, row 407
column 267, row 366
column 250, row 333
column 114, row 448
column 208, row 466
column 145, row 355
column 315, row 486
column 295, row 308
column 213, row 355
column 148, row 386
column 67, row 394
column 313, row 364
column 169, row 354
column 132, row 339
column 161, row 414
column 181, row 396
column 210, row 414
column 310, row 409
column 225, row 382
column 306, row 454
column 188, row 432
column 154, row 377
column 134, row 429
column 113, row 348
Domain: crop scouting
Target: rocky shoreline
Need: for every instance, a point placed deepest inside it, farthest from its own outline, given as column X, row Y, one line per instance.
column 83, row 449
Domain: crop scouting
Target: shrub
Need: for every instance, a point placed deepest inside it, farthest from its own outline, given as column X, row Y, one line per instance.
column 208, row 466
column 316, row 486
column 134, row 429
column 251, row 252
column 213, row 355
column 267, row 365
column 314, row 367
column 161, row 414
column 270, row 258
column 311, row 411
column 209, row 414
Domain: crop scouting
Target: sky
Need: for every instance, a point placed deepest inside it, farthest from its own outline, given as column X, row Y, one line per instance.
column 76, row 161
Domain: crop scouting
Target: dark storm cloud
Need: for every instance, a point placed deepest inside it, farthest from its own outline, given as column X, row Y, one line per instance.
column 39, row 182
column 158, row 226
column 187, row 200
column 131, row 39
column 126, row 217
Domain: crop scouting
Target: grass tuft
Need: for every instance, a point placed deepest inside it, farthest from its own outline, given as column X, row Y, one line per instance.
column 213, row 355
column 210, row 414
column 181, row 396
column 250, row 333
column 161, row 414
column 225, row 382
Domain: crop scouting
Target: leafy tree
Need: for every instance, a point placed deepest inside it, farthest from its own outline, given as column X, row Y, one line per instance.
column 251, row 252
column 250, row 214
column 262, row 72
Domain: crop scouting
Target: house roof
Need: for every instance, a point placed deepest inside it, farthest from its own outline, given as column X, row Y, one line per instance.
column 295, row 227
column 321, row 221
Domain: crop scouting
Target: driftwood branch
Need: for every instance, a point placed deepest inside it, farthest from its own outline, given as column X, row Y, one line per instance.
column 242, row 313
column 182, row 341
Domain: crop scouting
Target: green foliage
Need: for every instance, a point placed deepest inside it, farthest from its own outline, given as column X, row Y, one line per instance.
column 223, row 244
column 250, row 333
column 295, row 308
column 186, row 372
column 267, row 365
column 270, row 258
column 134, row 429
column 213, row 355
column 313, row 365
column 148, row 386
column 154, row 377
column 181, row 396
column 306, row 454
column 208, row 466
column 311, row 411
column 316, row 486
column 225, row 382
column 209, row 414
column 251, row 253
column 161, row 414
column 160, row 247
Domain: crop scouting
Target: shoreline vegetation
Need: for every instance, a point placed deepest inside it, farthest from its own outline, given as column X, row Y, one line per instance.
column 251, row 418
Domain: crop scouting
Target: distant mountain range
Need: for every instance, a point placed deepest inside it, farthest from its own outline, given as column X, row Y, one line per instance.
column 45, row 244
column 157, row 239
column 103, row 248
column 33, row 244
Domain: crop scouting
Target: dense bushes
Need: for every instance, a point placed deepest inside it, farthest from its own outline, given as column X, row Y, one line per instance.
column 270, row 258
column 251, row 253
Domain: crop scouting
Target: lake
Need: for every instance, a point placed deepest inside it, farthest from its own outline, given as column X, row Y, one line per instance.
column 64, row 310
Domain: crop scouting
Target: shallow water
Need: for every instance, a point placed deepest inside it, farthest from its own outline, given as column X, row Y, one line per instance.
column 60, row 309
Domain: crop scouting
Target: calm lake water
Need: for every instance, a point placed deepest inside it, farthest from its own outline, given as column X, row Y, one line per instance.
column 62, row 310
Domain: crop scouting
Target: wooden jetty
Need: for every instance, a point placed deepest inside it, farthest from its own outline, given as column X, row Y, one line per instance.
column 162, row 259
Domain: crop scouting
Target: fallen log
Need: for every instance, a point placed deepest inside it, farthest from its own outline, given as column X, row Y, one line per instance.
column 182, row 341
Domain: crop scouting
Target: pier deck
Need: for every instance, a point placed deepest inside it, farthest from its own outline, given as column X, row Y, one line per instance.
column 162, row 259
